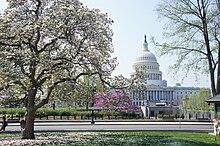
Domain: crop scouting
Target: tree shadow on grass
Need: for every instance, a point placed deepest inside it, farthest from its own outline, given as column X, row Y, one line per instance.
column 140, row 140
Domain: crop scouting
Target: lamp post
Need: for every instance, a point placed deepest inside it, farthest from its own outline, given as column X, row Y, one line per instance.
column 180, row 108
column 92, row 122
column 94, row 90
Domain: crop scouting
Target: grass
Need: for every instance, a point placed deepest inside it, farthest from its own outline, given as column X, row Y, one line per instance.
column 137, row 138
column 152, row 138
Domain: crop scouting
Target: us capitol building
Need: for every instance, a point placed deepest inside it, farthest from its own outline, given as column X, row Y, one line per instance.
column 154, row 90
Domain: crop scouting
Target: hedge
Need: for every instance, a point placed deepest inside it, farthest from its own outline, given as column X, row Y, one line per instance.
column 67, row 112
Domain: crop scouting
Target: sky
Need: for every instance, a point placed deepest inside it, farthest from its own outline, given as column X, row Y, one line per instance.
column 132, row 20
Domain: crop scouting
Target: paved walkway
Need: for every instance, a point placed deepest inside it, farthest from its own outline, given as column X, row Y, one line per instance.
column 84, row 126
column 52, row 123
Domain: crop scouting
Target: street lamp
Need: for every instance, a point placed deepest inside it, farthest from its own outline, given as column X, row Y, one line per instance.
column 94, row 90
column 180, row 108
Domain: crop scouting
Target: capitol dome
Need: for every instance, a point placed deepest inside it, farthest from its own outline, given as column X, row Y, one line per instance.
column 146, row 57
column 149, row 89
column 147, row 63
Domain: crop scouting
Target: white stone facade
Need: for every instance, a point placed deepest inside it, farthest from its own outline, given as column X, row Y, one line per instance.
column 156, row 89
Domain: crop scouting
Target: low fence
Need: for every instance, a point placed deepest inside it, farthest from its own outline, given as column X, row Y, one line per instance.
column 72, row 114
column 199, row 115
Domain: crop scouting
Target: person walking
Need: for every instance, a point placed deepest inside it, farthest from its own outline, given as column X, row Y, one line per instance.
column 4, row 124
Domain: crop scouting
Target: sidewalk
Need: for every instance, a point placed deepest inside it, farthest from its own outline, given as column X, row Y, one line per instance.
column 111, row 122
column 115, row 125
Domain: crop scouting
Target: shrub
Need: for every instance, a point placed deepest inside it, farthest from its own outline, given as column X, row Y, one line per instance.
column 166, row 116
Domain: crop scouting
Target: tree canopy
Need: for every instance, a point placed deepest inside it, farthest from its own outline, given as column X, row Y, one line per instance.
column 192, row 33
column 44, row 43
column 198, row 102
column 114, row 100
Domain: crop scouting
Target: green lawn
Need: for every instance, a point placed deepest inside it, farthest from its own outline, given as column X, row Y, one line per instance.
column 136, row 138
column 152, row 138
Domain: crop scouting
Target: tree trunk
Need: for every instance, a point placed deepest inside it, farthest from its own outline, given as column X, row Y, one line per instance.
column 28, row 131
column 218, row 71
column 207, row 43
column 212, row 78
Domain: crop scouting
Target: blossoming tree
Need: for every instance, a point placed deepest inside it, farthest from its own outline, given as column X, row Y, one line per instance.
column 116, row 100
column 47, row 43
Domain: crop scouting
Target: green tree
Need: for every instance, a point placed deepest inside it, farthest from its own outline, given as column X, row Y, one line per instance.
column 204, row 95
column 44, row 43
column 86, row 90
column 193, row 34
column 63, row 94
column 83, row 93
column 198, row 102
column 191, row 103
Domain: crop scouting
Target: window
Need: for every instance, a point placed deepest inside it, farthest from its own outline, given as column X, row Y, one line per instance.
column 217, row 108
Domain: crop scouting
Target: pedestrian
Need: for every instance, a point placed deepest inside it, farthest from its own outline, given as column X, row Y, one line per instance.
column 4, row 124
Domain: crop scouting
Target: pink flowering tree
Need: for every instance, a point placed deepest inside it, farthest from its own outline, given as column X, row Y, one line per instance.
column 116, row 100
